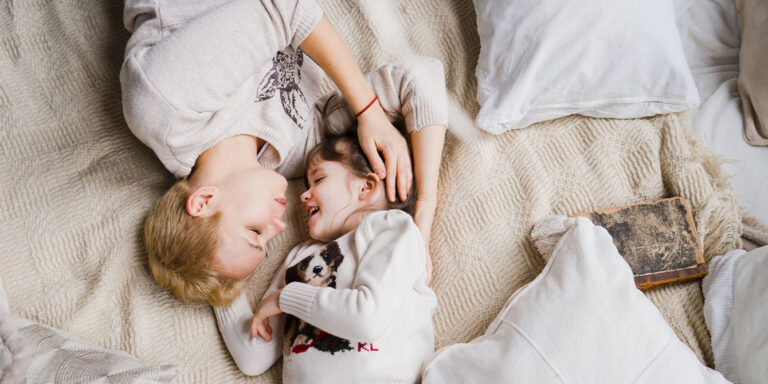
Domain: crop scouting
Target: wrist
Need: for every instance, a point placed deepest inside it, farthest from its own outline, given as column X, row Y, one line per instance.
column 368, row 111
column 368, row 106
column 425, row 202
column 277, row 298
column 423, row 216
column 358, row 95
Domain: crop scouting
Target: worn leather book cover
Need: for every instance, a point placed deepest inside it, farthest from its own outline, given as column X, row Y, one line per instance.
column 658, row 240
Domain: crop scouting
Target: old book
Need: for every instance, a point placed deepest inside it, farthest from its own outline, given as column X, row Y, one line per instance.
column 658, row 240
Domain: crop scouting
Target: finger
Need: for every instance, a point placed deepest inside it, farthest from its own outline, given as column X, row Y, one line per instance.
column 264, row 334
column 401, row 188
column 402, row 177
column 254, row 327
column 264, row 331
column 391, row 179
column 409, row 179
column 372, row 153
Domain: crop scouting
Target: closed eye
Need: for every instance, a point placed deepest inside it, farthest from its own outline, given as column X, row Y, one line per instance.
column 319, row 179
column 256, row 231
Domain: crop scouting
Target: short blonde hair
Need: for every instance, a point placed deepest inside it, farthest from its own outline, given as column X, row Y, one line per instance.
column 181, row 250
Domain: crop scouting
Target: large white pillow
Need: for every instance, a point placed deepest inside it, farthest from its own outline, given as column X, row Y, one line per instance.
column 544, row 59
column 582, row 320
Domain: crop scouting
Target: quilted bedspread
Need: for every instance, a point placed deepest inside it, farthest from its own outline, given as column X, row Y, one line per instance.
column 75, row 185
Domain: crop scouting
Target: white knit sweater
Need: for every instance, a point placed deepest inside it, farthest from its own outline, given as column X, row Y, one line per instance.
column 196, row 73
column 363, row 315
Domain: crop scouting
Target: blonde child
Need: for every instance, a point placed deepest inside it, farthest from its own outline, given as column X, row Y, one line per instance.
column 224, row 92
column 352, row 305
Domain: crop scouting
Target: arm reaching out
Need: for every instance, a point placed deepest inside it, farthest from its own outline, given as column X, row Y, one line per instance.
column 413, row 90
column 252, row 355
column 427, row 155
column 375, row 132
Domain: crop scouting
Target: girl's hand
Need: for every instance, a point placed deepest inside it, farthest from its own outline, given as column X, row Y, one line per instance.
column 376, row 134
column 268, row 307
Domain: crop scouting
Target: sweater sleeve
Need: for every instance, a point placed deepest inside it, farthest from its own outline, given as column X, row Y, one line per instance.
column 392, row 259
column 252, row 355
column 412, row 90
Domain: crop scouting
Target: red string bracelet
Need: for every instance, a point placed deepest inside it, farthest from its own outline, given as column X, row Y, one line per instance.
column 366, row 107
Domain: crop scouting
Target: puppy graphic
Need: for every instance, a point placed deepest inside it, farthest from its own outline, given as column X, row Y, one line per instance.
column 319, row 270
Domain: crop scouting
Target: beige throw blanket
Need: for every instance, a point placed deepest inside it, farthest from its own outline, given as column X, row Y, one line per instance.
column 75, row 185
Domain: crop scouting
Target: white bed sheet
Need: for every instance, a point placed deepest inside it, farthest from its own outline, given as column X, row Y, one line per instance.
column 709, row 32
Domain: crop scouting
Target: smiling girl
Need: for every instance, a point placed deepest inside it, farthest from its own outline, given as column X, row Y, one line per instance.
column 351, row 305
column 227, row 95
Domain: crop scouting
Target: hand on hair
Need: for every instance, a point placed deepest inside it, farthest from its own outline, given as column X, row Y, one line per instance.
column 269, row 306
column 376, row 134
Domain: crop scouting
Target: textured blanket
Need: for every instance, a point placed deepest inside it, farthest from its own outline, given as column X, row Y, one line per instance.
column 75, row 185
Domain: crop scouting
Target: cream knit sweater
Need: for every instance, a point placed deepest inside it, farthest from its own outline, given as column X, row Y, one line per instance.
column 197, row 73
column 358, row 309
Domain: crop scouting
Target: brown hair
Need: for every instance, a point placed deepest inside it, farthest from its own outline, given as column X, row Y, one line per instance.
column 346, row 150
column 181, row 250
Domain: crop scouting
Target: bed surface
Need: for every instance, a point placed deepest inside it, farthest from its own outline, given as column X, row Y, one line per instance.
column 76, row 186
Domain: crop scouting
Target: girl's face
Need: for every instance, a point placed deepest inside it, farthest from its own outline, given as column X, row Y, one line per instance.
column 334, row 195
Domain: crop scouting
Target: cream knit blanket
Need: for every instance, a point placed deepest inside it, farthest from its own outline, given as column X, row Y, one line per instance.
column 75, row 185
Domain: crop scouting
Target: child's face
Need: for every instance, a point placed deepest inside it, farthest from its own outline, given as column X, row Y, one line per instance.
column 333, row 196
column 252, row 204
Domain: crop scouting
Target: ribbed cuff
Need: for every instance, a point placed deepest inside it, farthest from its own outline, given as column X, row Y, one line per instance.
column 297, row 299
column 308, row 13
column 426, row 111
column 239, row 307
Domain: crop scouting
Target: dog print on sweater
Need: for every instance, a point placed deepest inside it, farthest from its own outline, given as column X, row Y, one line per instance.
column 285, row 77
column 319, row 270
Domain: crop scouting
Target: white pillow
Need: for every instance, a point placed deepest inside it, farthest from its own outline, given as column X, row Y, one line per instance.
column 35, row 353
column 544, row 59
column 582, row 320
